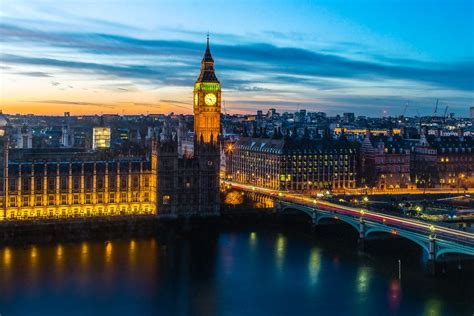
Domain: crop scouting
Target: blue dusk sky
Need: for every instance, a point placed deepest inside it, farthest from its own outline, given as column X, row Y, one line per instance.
column 124, row 56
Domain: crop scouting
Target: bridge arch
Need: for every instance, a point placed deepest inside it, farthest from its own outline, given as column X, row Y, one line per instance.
column 452, row 250
column 305, row 210
column 420, row 240
column 351, row 222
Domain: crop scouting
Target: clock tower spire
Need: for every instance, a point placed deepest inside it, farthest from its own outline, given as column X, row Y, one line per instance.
column 207, row 100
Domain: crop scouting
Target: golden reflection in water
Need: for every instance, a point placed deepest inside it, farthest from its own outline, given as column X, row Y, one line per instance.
column 253, row 240
column 132, row 252
column 7, row 258
column 59, row 252
column 363, row 278
column 280, row 250
column 314, row 265
column 5, row 267
column 108, row 252
column 433, row 307
column 84, row 254
column 33, row 253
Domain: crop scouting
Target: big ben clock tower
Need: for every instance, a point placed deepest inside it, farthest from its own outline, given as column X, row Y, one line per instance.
column 207, row 100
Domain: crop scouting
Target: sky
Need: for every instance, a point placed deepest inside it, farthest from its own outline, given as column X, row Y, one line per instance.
column 377, row 58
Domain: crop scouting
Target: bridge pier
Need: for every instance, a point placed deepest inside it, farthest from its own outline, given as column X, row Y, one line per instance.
column 432, row 264
column 314, row 218
column 361, row 240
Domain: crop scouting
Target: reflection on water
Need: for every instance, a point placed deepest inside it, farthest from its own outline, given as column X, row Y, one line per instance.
column 253, row 240
column 108, row 252
column 214, row 275
column 394, row 294
column 59, row 252
column 433, row 307
column 314, row 265
column 363, row 279
column 7, row 258
column 280, row 250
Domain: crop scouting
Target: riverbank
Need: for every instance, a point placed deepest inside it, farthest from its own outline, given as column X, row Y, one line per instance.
column 78, row 229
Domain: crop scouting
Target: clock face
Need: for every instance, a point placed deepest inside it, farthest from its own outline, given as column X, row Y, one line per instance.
column 196, row 99
column 210, row 99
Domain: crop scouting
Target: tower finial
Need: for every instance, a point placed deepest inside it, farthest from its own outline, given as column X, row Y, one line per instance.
column 208, row 39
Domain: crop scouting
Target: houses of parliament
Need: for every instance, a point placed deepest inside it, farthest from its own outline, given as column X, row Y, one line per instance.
column 69, row 183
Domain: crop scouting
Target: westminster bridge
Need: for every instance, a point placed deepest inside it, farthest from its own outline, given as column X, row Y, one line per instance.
column 436, row 239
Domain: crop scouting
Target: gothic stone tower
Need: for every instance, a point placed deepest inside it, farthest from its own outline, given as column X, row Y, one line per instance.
column 207, row 113
column 207, row 100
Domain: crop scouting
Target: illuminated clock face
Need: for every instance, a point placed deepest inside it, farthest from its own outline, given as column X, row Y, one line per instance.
column 210, row 99
column 196, row 99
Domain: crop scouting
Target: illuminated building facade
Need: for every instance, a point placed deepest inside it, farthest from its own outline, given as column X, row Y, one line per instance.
column 443, row 161
column 100, row 138
column 87, row 187
column 294, row 163
column 385, row 162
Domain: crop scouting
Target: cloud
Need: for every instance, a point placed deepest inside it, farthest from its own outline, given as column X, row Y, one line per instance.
column 253, row 68
column 38, row 74
column 63, row 102
column 257, row 57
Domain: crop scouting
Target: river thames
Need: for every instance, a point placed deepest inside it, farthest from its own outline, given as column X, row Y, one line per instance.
column 260, row 271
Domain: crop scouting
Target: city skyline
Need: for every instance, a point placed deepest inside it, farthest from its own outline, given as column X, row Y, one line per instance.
column 335, row 57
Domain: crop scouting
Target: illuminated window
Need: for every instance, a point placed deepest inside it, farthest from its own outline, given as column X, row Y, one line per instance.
column 123, row 197
column 100, row 198
column 147, row 181
column 76, row 183
column 13, row 201
column 63, row 199
column 38, row 200
column 135, row 197
column 166, row 199
column 50, row 199
column 88, row 198
column 75, row 199
column 112, row 197
column 135, row 182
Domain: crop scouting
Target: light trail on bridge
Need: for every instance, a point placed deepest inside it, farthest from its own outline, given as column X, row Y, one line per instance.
column 403, row 222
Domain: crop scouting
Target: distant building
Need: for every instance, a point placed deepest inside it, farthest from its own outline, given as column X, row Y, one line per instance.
column 359, row 133
column 472, row 111
column 24, row 137
column 349, row 118
column 100, row 138
column 385, row 162
column 3, row 124
column 446, row 161
column 294, row 163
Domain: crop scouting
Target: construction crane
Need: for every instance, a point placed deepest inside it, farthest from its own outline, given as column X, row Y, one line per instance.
column 445, row 113
column 436, row 108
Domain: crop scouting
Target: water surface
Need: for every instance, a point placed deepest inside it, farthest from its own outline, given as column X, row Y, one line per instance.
column 265, row 271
